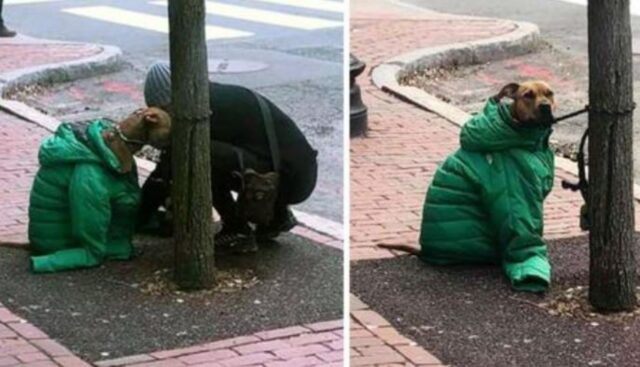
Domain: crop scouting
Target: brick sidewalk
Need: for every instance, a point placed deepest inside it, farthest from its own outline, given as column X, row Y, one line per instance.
column 375, row 342
column 316, row 344
column 14, row 52
column 392, row 167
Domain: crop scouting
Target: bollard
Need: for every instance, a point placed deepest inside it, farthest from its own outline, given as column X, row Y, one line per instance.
column 358, row 111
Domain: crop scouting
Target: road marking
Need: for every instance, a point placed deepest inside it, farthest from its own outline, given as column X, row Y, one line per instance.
column 325, row 5
column 634, row 5
column 147, row 21
column 265, row 16
column 21, row 2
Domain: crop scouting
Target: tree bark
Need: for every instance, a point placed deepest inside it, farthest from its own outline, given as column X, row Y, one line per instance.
column 612, row 262
column 191, row 192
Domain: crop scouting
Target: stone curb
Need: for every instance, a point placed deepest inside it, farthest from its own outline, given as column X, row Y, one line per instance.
column 386, row 75
column 524, row 39
column 108, row 60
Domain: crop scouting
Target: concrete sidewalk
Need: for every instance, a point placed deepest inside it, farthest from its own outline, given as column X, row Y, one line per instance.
column 392, row 167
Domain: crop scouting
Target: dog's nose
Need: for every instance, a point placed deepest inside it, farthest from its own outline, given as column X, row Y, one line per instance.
column 545, row 108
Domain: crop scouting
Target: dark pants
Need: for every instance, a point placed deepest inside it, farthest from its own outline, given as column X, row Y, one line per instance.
column 295, row 185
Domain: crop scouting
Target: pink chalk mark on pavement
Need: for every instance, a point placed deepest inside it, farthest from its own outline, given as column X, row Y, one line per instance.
column 534, row 72
column 132, row 91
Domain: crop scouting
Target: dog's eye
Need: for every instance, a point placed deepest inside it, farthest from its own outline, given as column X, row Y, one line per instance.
column 549, row 94
column 529, row 94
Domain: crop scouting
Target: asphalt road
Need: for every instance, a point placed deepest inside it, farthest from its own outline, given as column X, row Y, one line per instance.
column 562, row 22
column 289, row 50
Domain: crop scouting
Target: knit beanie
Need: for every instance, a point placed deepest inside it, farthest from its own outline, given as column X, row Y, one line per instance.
column 157, row 85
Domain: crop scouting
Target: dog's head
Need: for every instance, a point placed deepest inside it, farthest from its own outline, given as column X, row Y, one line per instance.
column 144, row 126
column 153, row 125
column 533, row 102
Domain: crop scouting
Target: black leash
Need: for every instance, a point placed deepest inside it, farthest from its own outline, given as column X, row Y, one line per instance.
column 572, row 114
column 583, row 184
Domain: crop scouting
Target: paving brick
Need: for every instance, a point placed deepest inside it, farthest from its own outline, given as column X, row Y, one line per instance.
column 227, row 343
column 296, row 362
column 312, row 338
column 7, row 316
column 40, row 364
column 28, row 331
column 170, row 362
column 376, row 350
column 51, row 347
column 32, row 357
column 391, row 336
column 261, row 347
column 369, row 318
column 355, row 304
column 334, row 356
column 210, row 357
column 365, row 342
column 281, row 333
column 5, row 332
column 8, row 361
column 13, row 347
column 306, row 350
column 71, row 361
column 376, row 360
column 178, row 352
column 249, row 359
column 418, row 355
column 138, row 358
column 326, row 325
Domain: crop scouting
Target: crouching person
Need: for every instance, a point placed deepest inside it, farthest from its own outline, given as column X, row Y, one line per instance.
column 85, row 197
column 257, row 151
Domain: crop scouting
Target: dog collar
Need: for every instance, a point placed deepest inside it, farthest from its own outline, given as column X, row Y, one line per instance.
column 124, row 138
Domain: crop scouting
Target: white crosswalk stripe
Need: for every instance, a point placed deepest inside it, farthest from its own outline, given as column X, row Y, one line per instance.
column 24, row 2
column 286, row 17
column 265, row 16
column 147, row 21
column 324, row 5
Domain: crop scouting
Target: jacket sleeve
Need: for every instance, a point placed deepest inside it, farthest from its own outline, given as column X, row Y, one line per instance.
column 515, row 211
column 89, row 202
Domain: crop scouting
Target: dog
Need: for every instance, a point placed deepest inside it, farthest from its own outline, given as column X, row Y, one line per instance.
column 87, row 188
column 484, row 204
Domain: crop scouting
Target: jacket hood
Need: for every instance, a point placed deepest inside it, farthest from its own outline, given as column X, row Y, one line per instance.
column 492, row 131
column 85, row 145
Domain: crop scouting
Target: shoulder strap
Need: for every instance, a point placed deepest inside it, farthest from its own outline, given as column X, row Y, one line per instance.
column 271, row 131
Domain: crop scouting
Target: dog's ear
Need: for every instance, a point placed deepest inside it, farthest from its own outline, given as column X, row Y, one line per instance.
column 510, row 90
column 155, row 117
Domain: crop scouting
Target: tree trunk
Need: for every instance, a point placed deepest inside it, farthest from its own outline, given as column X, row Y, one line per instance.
column 612, row 265
column 191, row 193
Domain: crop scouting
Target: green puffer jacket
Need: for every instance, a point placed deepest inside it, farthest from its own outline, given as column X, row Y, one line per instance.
column 485, row 202
column 82, row 210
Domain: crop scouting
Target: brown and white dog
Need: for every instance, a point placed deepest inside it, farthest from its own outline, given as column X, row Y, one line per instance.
column 533, row 103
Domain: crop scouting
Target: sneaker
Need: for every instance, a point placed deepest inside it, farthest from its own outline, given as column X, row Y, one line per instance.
column 6, row 32
column 238, row 242
column 273, row 230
